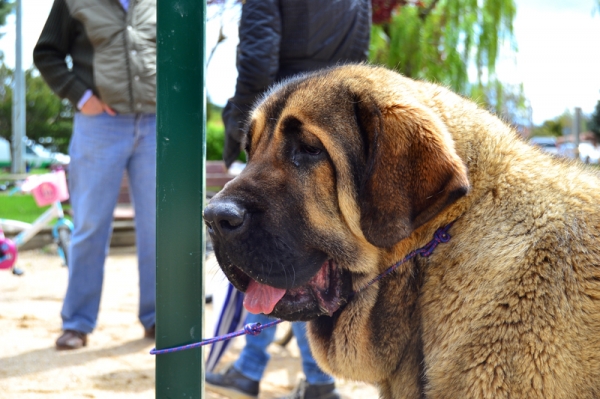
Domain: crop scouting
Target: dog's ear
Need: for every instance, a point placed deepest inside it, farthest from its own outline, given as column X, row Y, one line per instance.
column 412, row 171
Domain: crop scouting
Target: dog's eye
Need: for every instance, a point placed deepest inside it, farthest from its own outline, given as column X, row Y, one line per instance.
column 310, row 150
column 303, row 154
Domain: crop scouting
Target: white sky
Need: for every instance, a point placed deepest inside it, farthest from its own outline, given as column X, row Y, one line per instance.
column 558, row 59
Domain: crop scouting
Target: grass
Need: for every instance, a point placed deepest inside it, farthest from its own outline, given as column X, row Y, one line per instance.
column 6, row 175
column 21, row 207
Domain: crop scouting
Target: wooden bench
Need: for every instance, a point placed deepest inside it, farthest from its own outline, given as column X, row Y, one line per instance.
column 123, row 224
column 216, row 174
column 216, row 177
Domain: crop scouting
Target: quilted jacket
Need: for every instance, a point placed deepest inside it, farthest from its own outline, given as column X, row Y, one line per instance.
column 113, row 52
column 280, row 38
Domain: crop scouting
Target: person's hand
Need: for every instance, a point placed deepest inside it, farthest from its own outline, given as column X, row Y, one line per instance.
column 95, row 106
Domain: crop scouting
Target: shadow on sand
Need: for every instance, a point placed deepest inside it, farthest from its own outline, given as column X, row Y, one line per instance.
column 41, row 360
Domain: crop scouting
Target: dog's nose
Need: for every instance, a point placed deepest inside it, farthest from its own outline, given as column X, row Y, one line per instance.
column 225, row 217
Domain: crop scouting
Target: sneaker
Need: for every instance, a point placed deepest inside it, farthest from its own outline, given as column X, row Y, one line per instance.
column 304, row 390
column 232, row 384
column 71, row 339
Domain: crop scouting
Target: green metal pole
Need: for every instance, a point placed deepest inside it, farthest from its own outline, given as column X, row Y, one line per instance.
column 180, row 195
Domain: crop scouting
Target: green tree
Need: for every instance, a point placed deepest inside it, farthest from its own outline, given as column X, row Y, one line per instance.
column 440, row 40
column 6, row 8
column 505, row 100
column 558, row 126
column 594, row 122
column 49, row 120
column 6, row 76
column 549, row 128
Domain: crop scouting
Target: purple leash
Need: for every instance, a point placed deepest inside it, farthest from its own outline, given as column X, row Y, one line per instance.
column 250, row 328
column 440, row 236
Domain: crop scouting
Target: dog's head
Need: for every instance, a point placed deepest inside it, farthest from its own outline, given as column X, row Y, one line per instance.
column 342, row 164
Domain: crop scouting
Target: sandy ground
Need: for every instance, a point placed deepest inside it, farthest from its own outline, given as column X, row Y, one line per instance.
column 116, row 363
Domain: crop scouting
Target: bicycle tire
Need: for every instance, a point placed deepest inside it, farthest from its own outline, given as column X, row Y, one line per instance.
column 63, row 242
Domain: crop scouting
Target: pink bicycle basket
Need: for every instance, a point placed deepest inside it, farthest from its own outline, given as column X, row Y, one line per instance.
column 49, row 188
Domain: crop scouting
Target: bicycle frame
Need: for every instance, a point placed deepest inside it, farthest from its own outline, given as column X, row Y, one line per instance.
column 55, row 211
column 9, row 251
column 50, row 190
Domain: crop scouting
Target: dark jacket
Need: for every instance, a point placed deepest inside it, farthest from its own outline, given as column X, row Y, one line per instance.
column 280, row 38
column 113, row 52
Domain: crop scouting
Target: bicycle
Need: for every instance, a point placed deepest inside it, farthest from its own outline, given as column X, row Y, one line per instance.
column 47, row 189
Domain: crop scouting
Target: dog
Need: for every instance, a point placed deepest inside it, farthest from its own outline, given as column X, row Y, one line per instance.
column 351, row 169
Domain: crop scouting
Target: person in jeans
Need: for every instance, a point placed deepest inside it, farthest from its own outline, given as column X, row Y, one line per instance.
column 111, row 80
column 242, row 378
column 279, row 39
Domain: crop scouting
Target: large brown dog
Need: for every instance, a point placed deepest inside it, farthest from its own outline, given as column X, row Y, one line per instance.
column 352, row 168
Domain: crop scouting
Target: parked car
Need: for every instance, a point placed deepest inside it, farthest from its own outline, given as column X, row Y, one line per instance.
column 588, row 153
column 547, row 144
column 36, row 155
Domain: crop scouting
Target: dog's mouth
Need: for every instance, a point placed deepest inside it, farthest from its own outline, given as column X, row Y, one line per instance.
column 324, row 294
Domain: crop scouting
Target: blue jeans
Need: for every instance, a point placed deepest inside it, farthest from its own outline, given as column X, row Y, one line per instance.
column 254, row 357
column 102, row 148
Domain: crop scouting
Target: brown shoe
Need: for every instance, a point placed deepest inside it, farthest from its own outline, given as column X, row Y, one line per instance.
column 71, row 339
column 150, row 332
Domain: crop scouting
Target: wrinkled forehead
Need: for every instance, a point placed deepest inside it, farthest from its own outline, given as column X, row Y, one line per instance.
column 269, row 109
column 309, row 98
column 267, row 113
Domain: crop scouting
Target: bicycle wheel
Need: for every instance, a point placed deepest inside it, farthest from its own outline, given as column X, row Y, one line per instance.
column 63, row 242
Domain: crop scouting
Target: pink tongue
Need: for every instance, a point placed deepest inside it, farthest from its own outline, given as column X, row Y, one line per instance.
column 261, row 298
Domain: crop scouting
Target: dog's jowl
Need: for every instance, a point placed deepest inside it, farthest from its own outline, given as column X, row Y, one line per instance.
column 351, row 169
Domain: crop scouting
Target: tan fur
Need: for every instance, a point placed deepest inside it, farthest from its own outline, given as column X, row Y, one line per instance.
column 510, row 307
